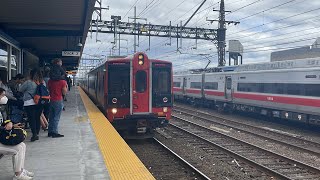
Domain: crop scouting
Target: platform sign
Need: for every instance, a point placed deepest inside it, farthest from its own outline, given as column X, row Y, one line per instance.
column 71, row 53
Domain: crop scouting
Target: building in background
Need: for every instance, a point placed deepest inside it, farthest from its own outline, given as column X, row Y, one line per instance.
column 312, row 51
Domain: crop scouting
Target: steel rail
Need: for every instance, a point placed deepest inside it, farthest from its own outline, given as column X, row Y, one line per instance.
column 304, row 148
column 245, row 159
column 183, row 160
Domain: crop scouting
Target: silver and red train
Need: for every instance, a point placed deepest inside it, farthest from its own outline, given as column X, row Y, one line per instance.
column 284, row 89
column 135, row 93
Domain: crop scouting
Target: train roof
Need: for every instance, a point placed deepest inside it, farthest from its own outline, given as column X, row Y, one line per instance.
column 129, row 58
column 125, row 59
column 289, row 64
column 264, row 66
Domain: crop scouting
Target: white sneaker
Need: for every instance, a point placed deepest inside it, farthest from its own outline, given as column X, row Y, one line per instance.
column 22, row 176
column 28, row 173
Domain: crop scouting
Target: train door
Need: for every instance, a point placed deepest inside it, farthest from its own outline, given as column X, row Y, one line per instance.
column 202, row 84
column 184, row 85
column 228, row 88
column 96, row 85
column 141, row 86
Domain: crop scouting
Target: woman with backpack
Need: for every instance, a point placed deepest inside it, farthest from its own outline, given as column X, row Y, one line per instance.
column 29, row 88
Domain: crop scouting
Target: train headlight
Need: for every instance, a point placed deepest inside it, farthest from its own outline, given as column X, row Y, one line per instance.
column 165, row 99
column 114, row 100
column 165, row 109
column 299, row 117
column 286, row 115
column 141, row 59
column 114, row 110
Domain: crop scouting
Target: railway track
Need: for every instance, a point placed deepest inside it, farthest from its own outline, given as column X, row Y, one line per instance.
column 273, row 164
column 163, row 162
column 288, row 140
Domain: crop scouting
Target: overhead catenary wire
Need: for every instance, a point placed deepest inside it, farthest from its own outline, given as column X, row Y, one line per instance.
column 146, row 7
column 280, row 20
column 263, row 11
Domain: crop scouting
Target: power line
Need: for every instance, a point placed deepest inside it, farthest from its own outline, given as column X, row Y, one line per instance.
column 288, row 2
column 152, row 7
column 130, row 8
column 146, row 7
column 285, row 37
column 186, row 12
column 279, row 20
column 250, row 4
column 280, row 28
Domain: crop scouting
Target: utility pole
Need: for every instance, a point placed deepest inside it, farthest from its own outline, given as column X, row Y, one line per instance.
column 119, row 44
column 116, row 20
column 98, row 11
column 221, row 33
column 135, row 39
column 135, row 28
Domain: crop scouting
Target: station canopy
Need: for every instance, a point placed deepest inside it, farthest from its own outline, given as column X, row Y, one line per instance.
column 48, row 28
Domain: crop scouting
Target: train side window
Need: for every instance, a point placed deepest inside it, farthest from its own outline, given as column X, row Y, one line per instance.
column 312, row 90
column 211, row 85
column 267, row 88
column 278, row 88
column 195, row 85
column 294, row 89
column 141, row 81
column 176, row 84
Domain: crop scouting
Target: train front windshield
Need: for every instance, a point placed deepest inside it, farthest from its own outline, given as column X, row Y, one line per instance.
column 119, row 84
column 161, row 85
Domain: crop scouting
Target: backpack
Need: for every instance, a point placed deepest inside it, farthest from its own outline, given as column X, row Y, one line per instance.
column 42, row 95
column 12, row 137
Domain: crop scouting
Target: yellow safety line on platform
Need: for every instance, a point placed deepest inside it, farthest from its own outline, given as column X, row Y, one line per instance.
column 120, row 160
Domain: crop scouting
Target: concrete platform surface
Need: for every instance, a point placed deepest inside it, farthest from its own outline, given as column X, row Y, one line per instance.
column 73, row 157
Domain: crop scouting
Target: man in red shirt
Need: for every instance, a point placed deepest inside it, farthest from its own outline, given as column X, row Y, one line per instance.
column 57, row 88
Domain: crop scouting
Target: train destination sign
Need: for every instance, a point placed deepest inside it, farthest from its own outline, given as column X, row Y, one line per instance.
column 71, row 53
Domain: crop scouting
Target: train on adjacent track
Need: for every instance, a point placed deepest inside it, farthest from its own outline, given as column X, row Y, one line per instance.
column 285, row 89
column 134, row 92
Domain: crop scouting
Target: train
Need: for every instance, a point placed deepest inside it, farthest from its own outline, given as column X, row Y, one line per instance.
column 284, row 89
column 135, row 93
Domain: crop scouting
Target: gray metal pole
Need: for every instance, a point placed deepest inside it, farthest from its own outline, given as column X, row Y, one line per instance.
column 135, row 19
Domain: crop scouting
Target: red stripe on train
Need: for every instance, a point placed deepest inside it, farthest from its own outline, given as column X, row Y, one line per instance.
column 214, row 93
column 194, row 91
column 175, row 89
column 279, row 99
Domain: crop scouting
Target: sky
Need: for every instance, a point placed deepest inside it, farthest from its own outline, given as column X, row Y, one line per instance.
column 265, row 26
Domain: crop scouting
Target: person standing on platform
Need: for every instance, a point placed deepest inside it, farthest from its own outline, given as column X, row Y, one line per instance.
column 57, row 88
column 28, row 88
column 56, row 70
column 69, row 83
column 46, row 77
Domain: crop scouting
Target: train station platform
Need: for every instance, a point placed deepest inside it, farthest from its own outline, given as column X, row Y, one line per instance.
column 91, row 148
